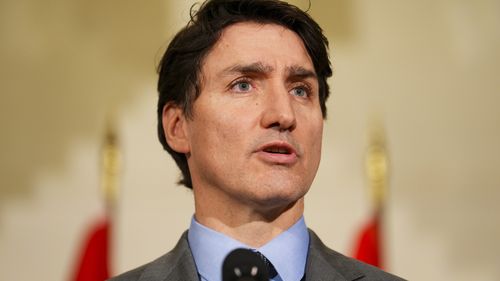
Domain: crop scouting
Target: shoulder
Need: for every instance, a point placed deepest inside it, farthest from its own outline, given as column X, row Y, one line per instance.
column 161, row 266
column 131, row 275
column 177, row 264
column 323, row 259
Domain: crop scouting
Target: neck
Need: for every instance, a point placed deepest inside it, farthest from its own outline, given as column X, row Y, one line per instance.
column 250, row 224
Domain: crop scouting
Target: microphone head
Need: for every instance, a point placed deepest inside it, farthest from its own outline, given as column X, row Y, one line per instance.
column 244, row 264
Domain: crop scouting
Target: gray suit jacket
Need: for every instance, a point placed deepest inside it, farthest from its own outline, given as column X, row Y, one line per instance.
column 323, row 264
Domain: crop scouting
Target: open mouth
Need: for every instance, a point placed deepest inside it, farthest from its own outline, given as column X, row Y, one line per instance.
column 278, row 147
column 278, row 150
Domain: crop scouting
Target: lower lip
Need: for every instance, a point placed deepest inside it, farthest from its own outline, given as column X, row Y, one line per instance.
column 277, row 158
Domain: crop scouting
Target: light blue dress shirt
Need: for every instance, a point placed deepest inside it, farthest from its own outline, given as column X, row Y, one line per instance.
column 287, row 252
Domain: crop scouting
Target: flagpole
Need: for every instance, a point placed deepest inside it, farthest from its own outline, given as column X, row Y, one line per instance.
column 110, row 167
column 377, row 166
column 94, row 258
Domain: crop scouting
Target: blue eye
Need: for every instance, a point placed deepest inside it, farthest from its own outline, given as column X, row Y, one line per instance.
column 299, row 92
column 242, row 86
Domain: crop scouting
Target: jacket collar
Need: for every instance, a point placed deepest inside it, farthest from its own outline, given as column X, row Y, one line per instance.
column 163, row 269
column 324, row 264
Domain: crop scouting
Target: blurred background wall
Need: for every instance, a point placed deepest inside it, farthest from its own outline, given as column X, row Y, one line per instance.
column 427, row 69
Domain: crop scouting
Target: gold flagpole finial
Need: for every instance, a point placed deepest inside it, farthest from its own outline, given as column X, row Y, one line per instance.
column 377, row 164
column 110, row 165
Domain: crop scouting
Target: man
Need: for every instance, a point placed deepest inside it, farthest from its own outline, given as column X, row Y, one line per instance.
column 242, row 92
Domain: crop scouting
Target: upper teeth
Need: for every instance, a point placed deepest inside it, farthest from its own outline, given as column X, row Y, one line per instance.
column 277, row 150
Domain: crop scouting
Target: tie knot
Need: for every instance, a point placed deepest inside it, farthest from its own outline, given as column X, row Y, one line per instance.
column 270, row 267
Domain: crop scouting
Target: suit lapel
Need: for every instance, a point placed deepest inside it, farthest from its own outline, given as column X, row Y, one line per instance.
column 176, row 265
column 324, row 264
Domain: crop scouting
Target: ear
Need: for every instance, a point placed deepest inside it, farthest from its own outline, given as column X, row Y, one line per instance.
column 174, row 127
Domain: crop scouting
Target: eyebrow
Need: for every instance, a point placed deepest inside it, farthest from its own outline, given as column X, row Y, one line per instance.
column 293, row 72
column 296, row 71
column 253, row 68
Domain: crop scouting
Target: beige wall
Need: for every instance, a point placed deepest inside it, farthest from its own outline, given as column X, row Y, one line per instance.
column 428, row 69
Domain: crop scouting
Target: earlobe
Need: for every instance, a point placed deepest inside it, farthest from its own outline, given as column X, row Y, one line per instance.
column 174, row 127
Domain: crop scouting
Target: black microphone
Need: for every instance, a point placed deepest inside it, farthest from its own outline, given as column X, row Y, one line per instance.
column 244, row 265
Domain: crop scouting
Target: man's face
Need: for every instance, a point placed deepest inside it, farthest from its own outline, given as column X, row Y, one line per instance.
column 255, row 136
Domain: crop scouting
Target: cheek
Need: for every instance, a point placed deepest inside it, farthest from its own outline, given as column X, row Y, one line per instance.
column 319, row 135
column 218, row 117
column 315, row 135
column 216, row 132
column 312, row 123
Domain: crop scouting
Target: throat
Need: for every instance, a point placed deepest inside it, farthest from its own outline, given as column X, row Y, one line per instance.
column 251, row 227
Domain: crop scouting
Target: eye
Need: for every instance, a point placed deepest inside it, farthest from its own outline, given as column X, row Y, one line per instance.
column 241, row 86
column 301, row 91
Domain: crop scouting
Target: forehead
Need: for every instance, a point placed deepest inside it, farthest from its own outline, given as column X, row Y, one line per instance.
column 274, row 46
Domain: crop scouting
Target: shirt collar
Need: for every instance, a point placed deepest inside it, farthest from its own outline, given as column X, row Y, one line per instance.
column 287, row 251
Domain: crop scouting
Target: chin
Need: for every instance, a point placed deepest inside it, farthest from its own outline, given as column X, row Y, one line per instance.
column 276, row 196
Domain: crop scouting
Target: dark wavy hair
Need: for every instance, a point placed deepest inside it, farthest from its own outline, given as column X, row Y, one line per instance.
column 180, row 67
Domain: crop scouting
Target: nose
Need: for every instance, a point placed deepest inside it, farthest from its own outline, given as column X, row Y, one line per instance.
column 278, row 112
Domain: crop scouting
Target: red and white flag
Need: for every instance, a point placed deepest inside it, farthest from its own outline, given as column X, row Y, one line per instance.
column 93, row 260
column 368, row 247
